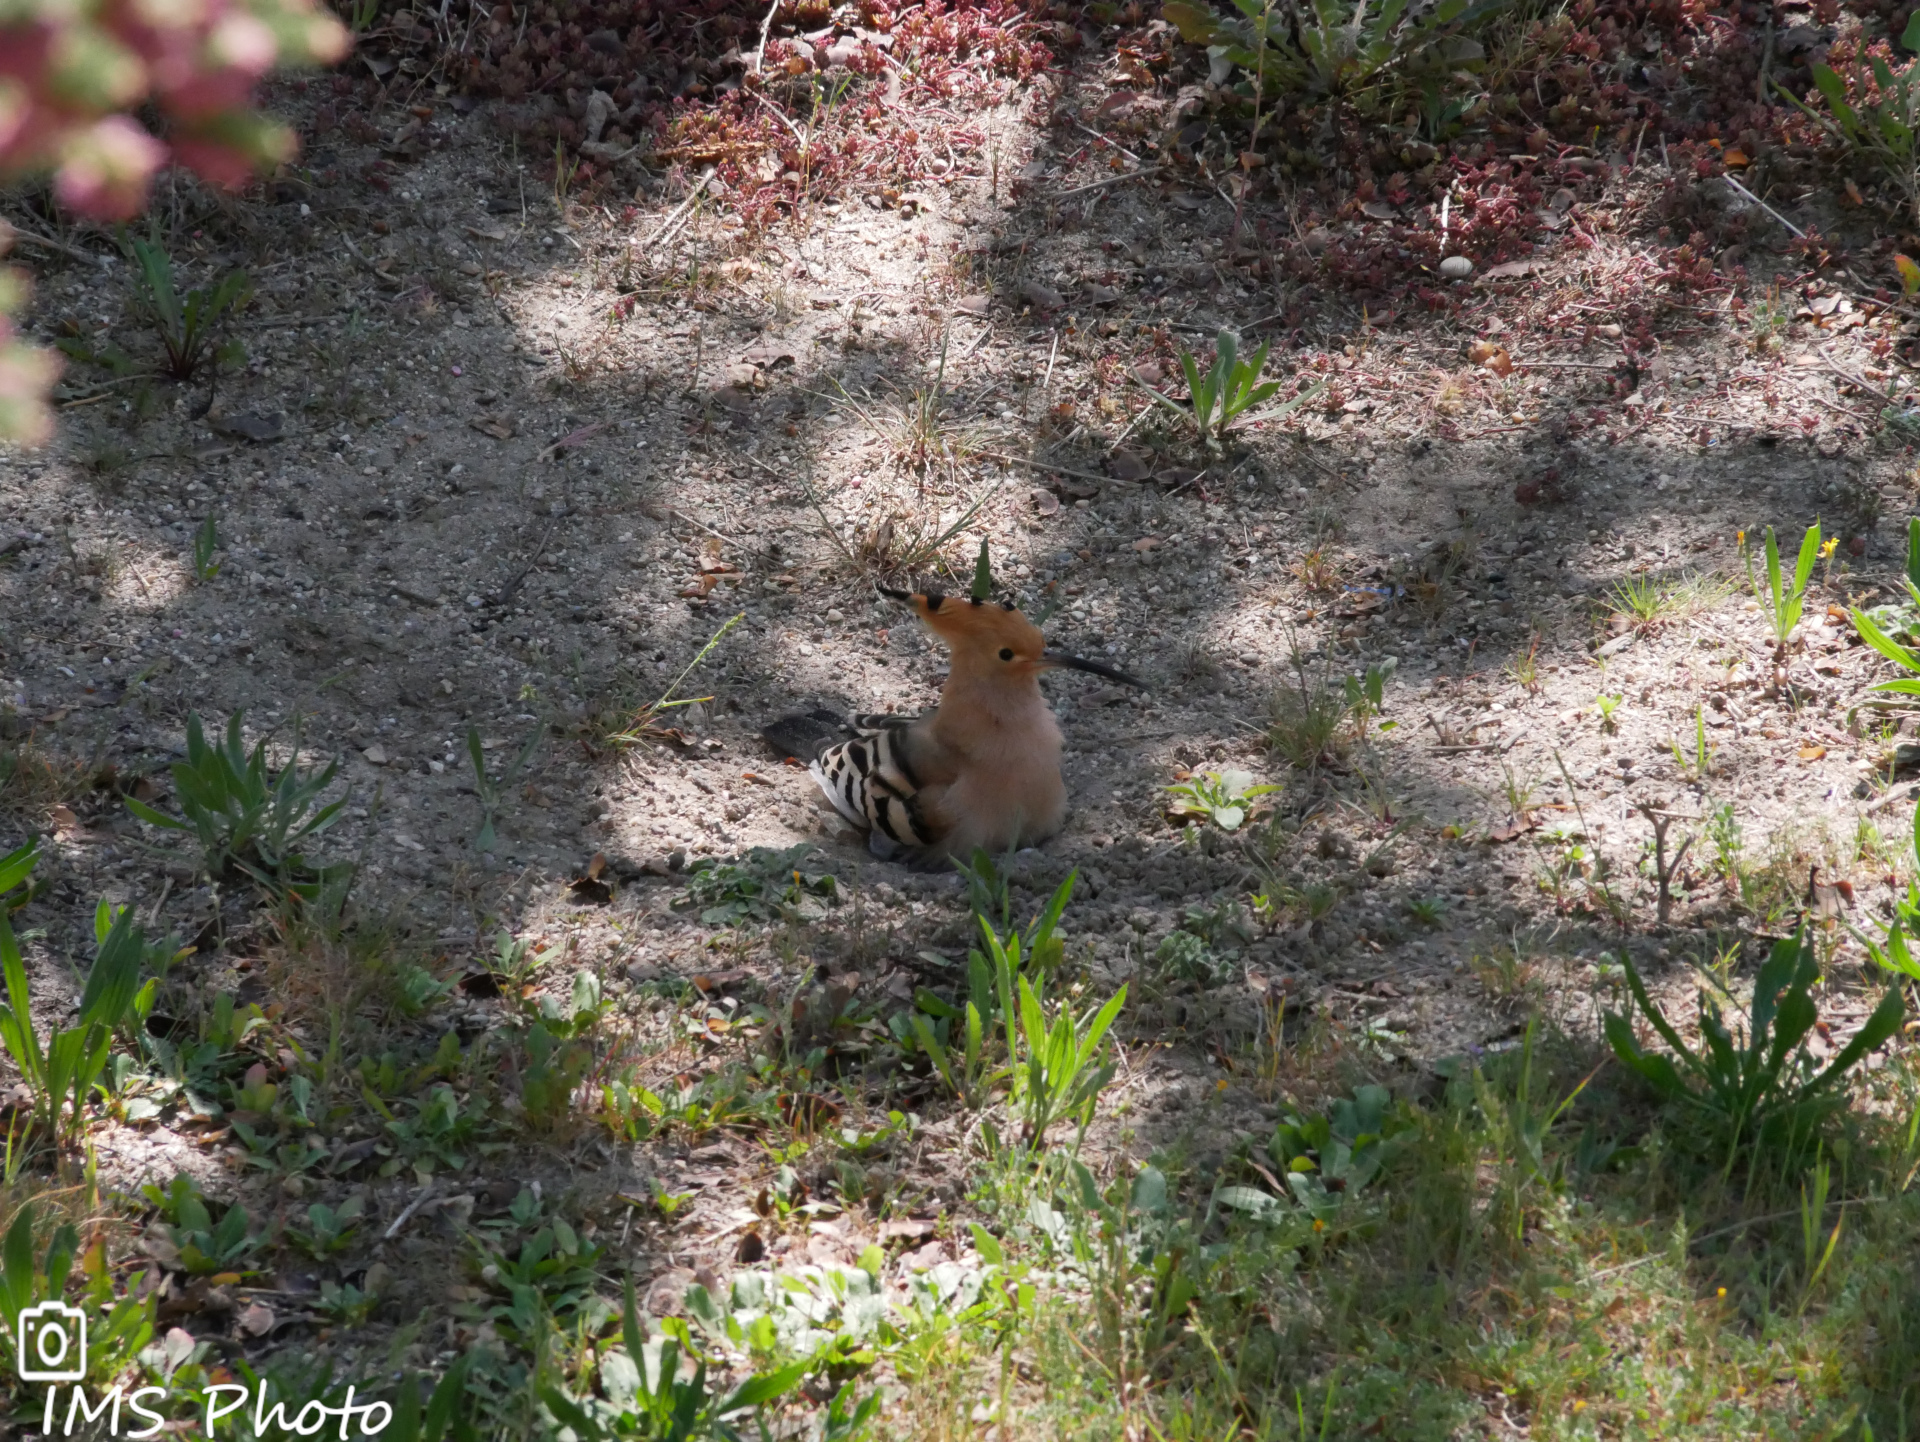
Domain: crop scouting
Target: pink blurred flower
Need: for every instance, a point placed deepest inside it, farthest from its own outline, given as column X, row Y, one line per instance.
column 105, row 169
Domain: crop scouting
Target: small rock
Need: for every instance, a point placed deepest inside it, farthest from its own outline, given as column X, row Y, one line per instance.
column 973, row 304
column 1126, row 466
column 1456, row 267
column 1045, row 501
column 375, row 755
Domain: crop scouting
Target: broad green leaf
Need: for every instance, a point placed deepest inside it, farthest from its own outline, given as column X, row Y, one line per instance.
column 764, row 1388
column 1196, row 23
column 16, row 864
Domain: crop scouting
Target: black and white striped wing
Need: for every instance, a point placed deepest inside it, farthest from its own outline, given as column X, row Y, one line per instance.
column 870, row 780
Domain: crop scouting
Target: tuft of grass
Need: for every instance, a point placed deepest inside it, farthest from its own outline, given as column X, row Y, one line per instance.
column 1306, row 716
column 1646, row 602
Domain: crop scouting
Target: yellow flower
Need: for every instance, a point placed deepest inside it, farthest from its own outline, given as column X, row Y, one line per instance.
column 1826, row 549
column 1740, row 538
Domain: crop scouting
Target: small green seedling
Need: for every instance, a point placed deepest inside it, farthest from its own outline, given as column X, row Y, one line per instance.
column 1222, row 797
column 1230, row 388
column 982, row 589
column 206, row 549
column 332, row 1228
column 1607, row 705
column 492, row 790
column 1699, row 765
column 347, row 1305
column 1783, row 602
column 1366, row 696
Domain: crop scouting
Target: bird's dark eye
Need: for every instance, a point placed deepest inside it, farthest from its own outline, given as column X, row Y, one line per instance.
column 1006, row 653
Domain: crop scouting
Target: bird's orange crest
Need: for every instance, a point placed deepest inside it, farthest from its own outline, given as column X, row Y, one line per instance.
column 961, row 622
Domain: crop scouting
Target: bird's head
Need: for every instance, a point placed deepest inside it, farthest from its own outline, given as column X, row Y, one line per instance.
column 988, row 639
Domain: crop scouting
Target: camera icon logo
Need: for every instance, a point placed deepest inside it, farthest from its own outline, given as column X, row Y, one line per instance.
column 50, row 1343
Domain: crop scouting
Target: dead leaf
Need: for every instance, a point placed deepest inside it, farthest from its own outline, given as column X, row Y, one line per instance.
column 1379, row 210
column 973, row 304
column 908, row 1229
column 807, row 1110
column 256, row 1319
column 62, row 819
column 751, row 1248
column 1826, row 899
column 487, row 425
column 1512, row 270
column 1045, row 501
column 1042, row 297
column 590, row 887
column 1737, row 159
column 1812, row 752
column 1513, row 828
column 1491, row 355
column 572, row 440
column 1824, row 304
column 1148, row 373
column 700, row 586
column 1126, row 466
column 487, row 232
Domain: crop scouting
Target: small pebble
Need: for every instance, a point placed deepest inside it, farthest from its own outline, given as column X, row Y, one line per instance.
column 1456, row 267
column 375, row 756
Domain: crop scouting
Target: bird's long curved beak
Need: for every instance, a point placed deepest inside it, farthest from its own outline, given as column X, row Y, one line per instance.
column 1097, row 668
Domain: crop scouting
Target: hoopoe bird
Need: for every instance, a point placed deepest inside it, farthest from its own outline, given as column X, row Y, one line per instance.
column 980, row 770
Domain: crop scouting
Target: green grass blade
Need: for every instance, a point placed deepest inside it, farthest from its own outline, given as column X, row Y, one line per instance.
column 1809, row 553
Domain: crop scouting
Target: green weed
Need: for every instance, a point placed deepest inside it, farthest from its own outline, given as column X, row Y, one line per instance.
column 1222, row 797
column 206, row 550
column 1760, row 1091
column 186, row 325
column 1783, row 598
column 247, row 819
column 1230, row 388
column 763, row 885
column 492, row 790
column 63, row 1071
